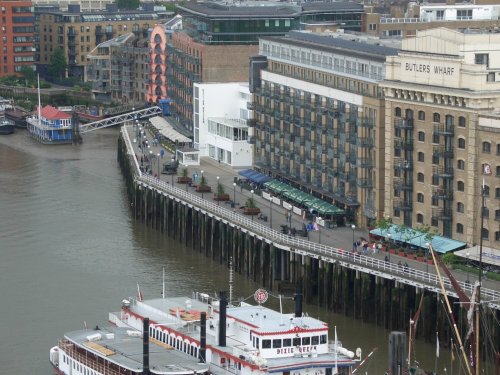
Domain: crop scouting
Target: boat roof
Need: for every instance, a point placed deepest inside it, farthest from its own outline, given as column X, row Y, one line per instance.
column 118, row 346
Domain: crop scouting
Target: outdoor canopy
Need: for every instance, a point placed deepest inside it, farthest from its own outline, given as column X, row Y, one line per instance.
column 416, row 238
column 254, row 176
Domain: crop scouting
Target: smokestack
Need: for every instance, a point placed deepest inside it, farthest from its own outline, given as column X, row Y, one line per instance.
column 203, row 337
column 222, row 319
column 145, row 346
column 298, row 301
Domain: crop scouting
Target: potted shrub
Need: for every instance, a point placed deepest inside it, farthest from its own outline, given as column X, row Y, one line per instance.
column 203, row 187
column 420, row 257
column 184, row 179
column 221, row 194
column 251, row 208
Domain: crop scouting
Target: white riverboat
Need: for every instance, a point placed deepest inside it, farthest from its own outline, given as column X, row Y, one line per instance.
column 244, row 339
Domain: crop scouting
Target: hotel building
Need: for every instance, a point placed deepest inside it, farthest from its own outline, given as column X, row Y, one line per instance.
column 442, row 97
column 319, row 118
column 16, row 44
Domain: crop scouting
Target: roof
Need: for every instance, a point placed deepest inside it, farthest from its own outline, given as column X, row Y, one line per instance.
column 254, row 176
column 490, row 256
column 336, row 6
column 418, row 239
column 167, row 130
column 117, row 346
column 52, row 113
column 216, row 10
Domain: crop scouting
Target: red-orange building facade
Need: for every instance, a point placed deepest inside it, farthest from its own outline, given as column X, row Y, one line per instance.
column 16, row 42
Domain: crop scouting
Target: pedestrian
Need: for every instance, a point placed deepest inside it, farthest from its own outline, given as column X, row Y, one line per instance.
column 374, row 248
column 355, row 246
column 365, row 247
column 386, row 258
column 406, row 267
column 400, row 266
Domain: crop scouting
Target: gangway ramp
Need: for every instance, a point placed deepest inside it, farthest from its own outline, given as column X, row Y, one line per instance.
column 120, row 119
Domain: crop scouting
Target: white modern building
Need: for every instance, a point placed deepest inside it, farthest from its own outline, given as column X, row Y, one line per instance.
column 459, row 12
column 220, row 122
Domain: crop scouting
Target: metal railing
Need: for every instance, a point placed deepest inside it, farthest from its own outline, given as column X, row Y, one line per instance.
column 330, row 254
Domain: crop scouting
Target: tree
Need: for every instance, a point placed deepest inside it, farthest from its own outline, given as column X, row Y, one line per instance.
column 58, row 64
column 28, row 73
column 220, row 189
column 127, row 4
column 384, row 224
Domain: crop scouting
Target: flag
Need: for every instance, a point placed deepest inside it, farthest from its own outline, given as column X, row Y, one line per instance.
column 139, row 294
column 437, row 346
column 486, row 169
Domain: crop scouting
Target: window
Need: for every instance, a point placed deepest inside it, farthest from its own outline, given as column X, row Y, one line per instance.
column 421, row 156
column 396, row 213
column 485, row 234
column 434, row 222
column 461, row 165
column 322, row 339
column 461, row 121
column 421, row 115
column 461, row 143
column 490, row 77
column 266, row 344
column 420, row 198
column 397, row 112
column 497, row 170
column 482, row 59
column 435, row 180
column 420, row 218
column 277, row 343
column 460, row 207
column 486, row 212
column 435, row 138
column 435, row 159
column 296, row 341
column 497, row 215
column 287, row 342
column 436, row 117
column 421, row 136
column 486, row 191
column 315, row 340
column 497, row 236
column 487, row 147
column 306, row 341
column 498, row 149
column 460, row 186
column 420, row 177
column 460, row 228
column 497, row 193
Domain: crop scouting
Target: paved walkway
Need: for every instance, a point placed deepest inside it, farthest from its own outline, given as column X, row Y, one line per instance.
column 342, row 237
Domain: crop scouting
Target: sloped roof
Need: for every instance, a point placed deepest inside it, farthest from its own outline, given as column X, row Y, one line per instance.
column 52, row 113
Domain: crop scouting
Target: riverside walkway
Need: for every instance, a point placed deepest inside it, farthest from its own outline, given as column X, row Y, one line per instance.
column 330, row 245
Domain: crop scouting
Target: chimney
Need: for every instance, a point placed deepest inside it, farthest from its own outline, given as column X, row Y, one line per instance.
column 145, row 346
column 203, row 337
column 298, row 301
column 222, row 319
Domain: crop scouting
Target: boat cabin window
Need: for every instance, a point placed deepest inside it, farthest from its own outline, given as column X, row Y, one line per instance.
column 306, row 341
column 257, row 343
column 266, row 344
column 296, row 341
column 277, row 343
column 287, row 342
column 322, row 339
column 314, row 340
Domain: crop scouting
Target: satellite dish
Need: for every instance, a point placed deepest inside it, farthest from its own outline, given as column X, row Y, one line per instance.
column 358, row 352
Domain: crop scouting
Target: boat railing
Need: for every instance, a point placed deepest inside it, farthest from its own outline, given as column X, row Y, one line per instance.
column 331, row 254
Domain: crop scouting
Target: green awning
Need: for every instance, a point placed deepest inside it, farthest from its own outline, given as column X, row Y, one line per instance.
column 276, row 186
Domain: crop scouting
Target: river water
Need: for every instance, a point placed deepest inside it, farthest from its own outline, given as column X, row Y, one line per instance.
column 70, row 252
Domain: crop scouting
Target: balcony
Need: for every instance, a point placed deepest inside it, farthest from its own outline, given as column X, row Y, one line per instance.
column 352, row 138
column 251, row 106
column 444, row 214
column 443, row 151
column 403, row 205
column 252, row 140
column 251, row 122
column 72, row 33
column 400, row 123
column 365, row 142
column 403, row 144
column 443, row 172
column 364, row 183
column 366, row 123
column 364, row 163
column 403, row 164
column 443, row 129
column 401, row 185
column 443, row 194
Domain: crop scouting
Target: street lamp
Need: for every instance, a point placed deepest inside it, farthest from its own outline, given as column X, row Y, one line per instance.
column 234, row 194
column 172, row 161
column 218, row 189
column 202, row 180
column 426, row 256
column 353, row 227
column 318, row 219
column 271, row 211
column 389, row 252
column 158, row 161
column 468, row 257
column 251, row 191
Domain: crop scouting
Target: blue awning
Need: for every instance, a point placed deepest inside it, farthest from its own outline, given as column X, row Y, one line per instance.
column 254, row 176
column 416, row 238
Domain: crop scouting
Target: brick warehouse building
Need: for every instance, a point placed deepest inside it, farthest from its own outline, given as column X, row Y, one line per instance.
column 17, row 36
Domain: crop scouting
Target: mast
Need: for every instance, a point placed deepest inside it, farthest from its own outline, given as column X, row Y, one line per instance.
column 39, row 103
column 486, row 171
